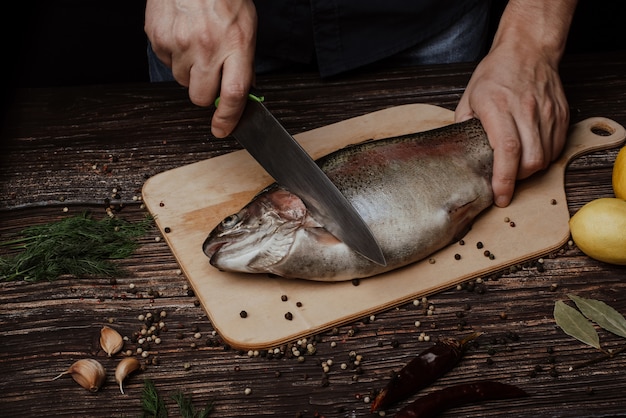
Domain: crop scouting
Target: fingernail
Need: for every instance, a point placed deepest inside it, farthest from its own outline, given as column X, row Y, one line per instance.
column 218, row 133
column 502, row 201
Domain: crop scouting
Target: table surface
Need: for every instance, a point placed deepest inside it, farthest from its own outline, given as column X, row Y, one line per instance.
column 66, row 151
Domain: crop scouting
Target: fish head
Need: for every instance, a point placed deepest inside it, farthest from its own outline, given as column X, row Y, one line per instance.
column 260, row 235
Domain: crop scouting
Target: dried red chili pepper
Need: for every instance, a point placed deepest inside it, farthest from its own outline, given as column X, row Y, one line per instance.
column 422, row 371
column 441, row 400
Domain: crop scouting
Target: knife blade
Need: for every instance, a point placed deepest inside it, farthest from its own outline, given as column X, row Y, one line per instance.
column 292, row 167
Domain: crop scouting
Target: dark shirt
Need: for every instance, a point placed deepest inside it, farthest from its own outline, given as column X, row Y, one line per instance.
column 340, row 35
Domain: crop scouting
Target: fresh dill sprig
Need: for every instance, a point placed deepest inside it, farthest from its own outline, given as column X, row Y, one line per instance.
column 77, row 245
column 187, row 410
column 152, row 405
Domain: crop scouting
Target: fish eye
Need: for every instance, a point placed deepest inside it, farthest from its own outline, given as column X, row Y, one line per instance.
column 230, row 221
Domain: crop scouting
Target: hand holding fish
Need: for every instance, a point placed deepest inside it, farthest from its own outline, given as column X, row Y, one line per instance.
column 517, row 94
column 209, row 45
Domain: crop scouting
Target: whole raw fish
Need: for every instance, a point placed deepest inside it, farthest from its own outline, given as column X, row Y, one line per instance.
column 417, row 193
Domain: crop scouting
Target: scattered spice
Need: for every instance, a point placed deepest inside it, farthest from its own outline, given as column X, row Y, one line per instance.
column 457, row 256
column 243, row 314
column 283, row 298
column 288, row 316
column 479, row 245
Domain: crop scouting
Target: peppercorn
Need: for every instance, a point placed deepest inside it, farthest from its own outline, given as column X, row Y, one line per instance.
column 288, row 316
column 479, row 245
column 243, row 314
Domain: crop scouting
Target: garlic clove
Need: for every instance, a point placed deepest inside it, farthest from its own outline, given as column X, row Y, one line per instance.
column 110, row 340
column 88, row 373
column 125, row 367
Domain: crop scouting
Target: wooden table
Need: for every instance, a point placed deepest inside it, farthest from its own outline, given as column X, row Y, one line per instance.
column 71, row 147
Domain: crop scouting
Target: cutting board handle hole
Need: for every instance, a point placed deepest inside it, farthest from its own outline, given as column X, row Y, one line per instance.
column 601, row 129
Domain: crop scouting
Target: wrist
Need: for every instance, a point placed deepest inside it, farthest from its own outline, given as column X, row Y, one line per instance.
column 537, row 28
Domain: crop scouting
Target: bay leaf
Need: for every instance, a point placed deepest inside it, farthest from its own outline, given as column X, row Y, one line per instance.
column 602, row 314
column 574, row 324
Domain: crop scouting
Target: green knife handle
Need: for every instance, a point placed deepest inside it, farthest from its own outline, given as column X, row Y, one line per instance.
column 254, row 95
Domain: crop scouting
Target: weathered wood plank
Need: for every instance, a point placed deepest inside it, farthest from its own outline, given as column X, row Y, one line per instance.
column 56, row 145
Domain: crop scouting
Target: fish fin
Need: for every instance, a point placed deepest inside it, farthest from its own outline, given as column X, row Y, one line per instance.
column 461, row 216
column 322, row 236
column 274, row 251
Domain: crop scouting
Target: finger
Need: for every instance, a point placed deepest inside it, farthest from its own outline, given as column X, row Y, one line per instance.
column 203, row 83
column 463, row 110
column 237, row 79
column 504, row 139
column 536, row 149
column 180, row 70
column 559, row 136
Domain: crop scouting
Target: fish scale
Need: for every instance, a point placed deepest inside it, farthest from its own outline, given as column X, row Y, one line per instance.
column 417, row 193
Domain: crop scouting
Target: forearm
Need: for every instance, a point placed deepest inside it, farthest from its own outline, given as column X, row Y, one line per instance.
column 536, row 26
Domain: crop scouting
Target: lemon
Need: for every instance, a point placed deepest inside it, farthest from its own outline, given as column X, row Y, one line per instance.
column 599, row 230
column 619, row 174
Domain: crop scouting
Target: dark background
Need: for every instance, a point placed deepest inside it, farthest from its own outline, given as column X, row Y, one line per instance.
column 74, row 42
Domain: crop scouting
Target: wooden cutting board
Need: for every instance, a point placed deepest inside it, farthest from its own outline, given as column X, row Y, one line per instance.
column 190, row 200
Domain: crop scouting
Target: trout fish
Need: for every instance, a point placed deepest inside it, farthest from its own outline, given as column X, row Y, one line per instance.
column 417, row 193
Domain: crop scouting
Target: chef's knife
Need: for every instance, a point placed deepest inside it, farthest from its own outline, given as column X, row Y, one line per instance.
column 290, row 165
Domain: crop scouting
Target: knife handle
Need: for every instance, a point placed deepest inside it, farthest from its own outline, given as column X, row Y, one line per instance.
column 254, row 95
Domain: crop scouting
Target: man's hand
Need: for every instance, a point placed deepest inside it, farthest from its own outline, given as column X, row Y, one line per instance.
column 517, row 94
column 209, row 45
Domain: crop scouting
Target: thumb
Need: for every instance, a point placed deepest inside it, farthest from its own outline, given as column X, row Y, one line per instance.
column 463, row 110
